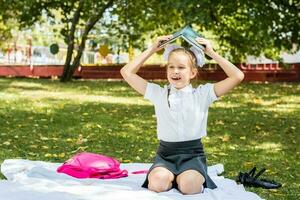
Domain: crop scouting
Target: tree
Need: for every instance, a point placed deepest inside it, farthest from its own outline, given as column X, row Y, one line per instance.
column 79, row 17
column 133, row 22
column 241, row 27
column 246, row 27
column 6, row 28
column 4, row 31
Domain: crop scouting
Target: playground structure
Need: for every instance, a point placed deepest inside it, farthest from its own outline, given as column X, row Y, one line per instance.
column 17, row 54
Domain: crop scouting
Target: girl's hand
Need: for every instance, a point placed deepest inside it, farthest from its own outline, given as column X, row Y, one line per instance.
column 208, row 46
column 156, row 46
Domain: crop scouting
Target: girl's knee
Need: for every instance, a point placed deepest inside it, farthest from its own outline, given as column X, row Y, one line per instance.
column 159, row 186
column 160, row 182
column 190, row 183
column 189, row 188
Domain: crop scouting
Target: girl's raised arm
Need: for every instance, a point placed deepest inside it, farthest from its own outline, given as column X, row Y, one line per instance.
column 235, row 75
column 129, row 71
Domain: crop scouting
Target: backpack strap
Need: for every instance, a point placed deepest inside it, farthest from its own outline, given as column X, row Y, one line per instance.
column 168, row 96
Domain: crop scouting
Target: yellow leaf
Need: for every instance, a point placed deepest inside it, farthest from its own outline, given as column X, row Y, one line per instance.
column 44, row 138
column 232, row 147
column 220, row 122
column 225, row 138
column 99, row 126
column 6, row 143
column 61, row 155
column 243, row 137
column 248, row 164
column 83, row 148
column 222, row 154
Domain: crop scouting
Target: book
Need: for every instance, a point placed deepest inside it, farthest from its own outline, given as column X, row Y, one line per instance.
column 189, row 35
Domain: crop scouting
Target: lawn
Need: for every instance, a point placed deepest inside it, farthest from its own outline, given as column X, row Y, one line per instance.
column 254, row 125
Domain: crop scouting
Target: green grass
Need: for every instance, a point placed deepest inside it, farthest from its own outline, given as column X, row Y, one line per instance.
column 256, row 124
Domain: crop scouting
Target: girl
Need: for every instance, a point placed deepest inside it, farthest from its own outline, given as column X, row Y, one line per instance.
column 181, row 112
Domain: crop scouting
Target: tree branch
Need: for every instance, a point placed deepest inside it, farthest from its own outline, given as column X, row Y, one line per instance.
column 89, row 25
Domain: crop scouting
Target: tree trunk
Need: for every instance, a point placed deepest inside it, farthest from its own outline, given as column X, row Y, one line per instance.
column 67, row 65
column 89, row 25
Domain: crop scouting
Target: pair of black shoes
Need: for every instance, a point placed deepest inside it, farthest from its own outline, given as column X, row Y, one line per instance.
column 248, row 179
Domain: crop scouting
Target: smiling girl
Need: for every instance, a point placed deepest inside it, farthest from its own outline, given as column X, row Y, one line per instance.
column 181, row 112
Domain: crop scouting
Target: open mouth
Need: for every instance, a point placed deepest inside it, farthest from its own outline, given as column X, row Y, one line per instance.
column 175, row 78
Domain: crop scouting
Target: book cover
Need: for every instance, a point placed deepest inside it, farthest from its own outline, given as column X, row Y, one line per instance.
column 189, row 35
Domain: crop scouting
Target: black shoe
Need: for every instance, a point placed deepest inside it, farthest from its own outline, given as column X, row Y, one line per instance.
column 248, row 179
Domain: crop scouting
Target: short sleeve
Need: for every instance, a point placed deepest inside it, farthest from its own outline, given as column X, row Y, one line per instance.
column 207, row 93
column 153, row 93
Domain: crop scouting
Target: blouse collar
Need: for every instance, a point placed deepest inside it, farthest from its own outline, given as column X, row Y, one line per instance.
column 186, row 89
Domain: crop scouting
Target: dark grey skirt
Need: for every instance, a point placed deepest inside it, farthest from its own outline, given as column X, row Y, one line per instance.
column 178, row 157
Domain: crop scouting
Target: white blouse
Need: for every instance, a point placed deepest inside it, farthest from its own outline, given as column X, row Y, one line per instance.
column 186, row 118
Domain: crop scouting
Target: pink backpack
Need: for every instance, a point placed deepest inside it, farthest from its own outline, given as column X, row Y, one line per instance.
column 90, row 165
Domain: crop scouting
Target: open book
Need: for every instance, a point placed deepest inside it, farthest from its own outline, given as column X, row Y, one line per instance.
column 189, row 35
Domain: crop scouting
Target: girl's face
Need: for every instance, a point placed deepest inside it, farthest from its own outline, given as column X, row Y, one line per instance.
column 179, row 70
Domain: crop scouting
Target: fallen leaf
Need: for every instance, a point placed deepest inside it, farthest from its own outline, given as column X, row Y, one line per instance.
column 243, row 137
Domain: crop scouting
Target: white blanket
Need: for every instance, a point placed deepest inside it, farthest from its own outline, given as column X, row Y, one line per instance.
column 37, row 180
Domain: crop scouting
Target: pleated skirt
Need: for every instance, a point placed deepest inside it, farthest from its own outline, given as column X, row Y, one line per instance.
column 178, row 157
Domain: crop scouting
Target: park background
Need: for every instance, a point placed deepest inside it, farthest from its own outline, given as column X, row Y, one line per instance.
column 53, row 115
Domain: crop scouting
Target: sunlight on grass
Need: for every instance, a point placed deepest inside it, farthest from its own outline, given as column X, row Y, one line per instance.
column 280, row 104
column 36, row 96
column 285, row 108
column 27, row 85
column 271, row 146
column 221, row 104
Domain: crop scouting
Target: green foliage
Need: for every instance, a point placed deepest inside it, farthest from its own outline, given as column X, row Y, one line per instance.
column 255, row 124
column 240, row 28
column 5, row 27
column 131, row 23
column 247, row 27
